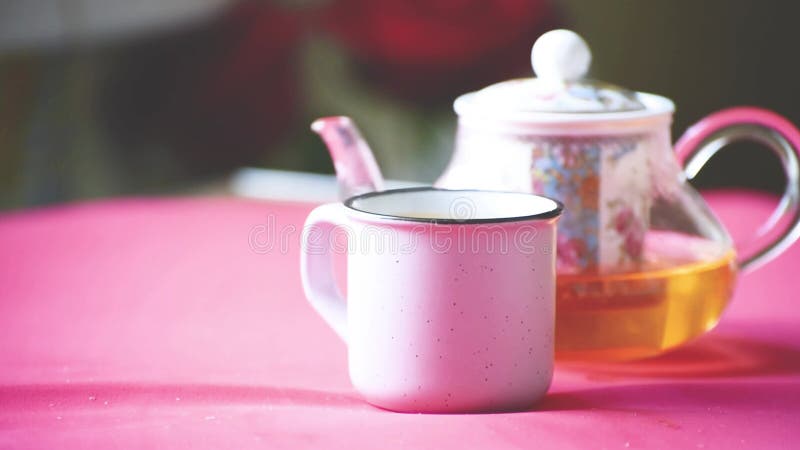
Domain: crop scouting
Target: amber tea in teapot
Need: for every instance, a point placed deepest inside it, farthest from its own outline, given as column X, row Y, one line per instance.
column 673, row 298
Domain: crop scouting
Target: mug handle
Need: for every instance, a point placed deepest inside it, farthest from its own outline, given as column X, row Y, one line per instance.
column 316, row 266
column 704, row 139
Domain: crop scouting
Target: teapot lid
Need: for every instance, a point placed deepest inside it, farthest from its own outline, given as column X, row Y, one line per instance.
column 560, row 59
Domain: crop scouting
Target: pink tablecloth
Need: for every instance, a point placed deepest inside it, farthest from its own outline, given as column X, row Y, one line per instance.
column 162, row 324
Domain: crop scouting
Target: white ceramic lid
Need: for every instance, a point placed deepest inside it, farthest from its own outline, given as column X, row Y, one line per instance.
column 561, row 60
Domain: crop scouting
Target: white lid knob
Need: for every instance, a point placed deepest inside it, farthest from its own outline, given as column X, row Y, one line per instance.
column 560, row 55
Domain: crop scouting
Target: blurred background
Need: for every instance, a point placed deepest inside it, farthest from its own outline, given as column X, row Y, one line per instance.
column 138, row 97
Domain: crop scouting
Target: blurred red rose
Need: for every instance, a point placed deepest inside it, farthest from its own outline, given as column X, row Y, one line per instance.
column 436, row 49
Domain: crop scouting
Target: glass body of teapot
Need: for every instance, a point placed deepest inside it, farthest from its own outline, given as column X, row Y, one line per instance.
column 643, row 264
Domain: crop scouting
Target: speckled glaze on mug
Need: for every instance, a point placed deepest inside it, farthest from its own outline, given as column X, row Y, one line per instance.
column 451, row 296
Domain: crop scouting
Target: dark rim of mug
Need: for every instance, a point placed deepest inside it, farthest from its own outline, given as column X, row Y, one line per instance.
column 549, row 214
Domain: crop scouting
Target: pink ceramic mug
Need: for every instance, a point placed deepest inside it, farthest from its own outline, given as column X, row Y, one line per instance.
column 451, row 295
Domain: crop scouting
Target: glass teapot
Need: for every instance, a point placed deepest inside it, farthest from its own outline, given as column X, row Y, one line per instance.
column 643, row 264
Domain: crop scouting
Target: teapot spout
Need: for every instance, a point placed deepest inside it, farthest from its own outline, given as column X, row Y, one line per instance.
column 356, row 169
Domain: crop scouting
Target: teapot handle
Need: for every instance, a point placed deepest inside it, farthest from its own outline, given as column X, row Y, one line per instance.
column 704, row 139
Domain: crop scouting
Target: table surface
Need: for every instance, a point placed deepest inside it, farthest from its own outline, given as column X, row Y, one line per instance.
column 180, row 323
